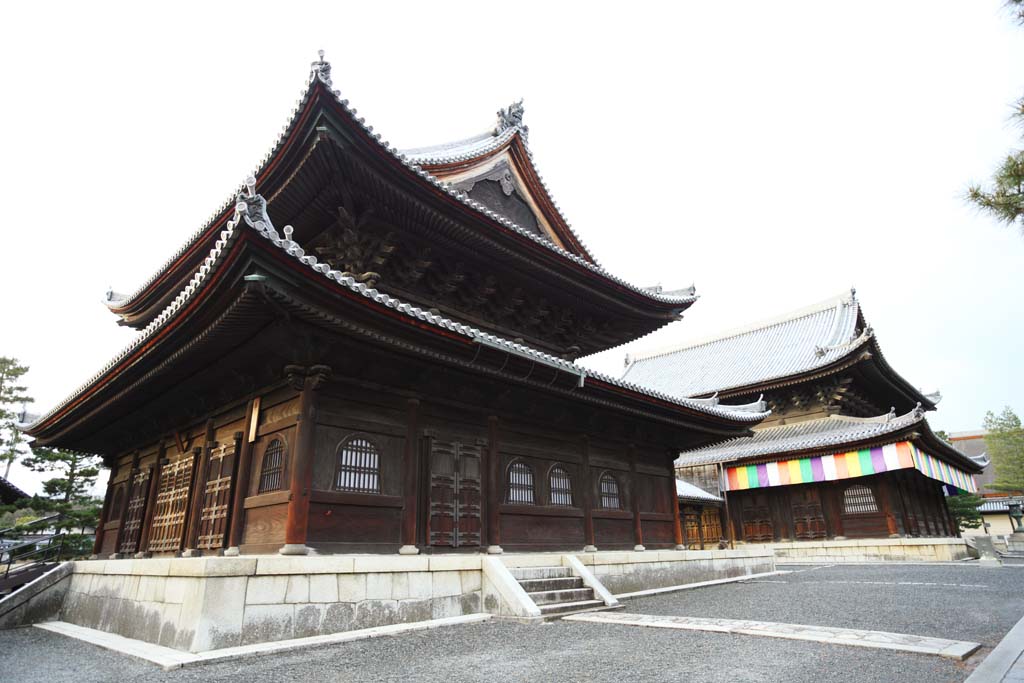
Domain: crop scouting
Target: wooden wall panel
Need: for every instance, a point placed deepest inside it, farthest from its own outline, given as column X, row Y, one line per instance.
column 265, row 524
column 658, row 534
column 613, row 533
column 354, row 524
column 535, row 531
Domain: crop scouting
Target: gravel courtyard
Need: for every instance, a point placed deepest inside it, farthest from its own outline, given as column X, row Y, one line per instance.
column 956, row 602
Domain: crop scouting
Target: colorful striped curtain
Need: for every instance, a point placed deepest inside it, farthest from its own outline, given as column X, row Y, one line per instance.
column 893, row 456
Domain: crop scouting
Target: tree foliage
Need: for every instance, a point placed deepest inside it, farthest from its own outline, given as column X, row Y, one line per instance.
column 1005, row 445
column 12, row 397
column 964, row 510
column 1004, row 197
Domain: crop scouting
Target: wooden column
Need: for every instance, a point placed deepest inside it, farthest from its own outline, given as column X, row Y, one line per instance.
column 700, row 525
column 677, row 526
column 307, row 381
column 495, row 490
column 723, row 484
column 410, row 485
column 240, row 485
column 682, row 514
column 116, row 555
column 588, row 498
column 634, row 497
column 97, row 545
column 195, row 503
column 154, row 486
column 239, row 445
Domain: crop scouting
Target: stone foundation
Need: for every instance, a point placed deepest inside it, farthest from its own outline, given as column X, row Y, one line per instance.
column 871, row 550
column 202, row 604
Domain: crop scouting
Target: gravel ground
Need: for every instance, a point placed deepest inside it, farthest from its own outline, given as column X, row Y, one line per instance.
column 569, row 651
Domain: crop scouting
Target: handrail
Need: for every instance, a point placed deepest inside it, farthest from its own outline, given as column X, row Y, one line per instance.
column 35, row 522
column 41, row 554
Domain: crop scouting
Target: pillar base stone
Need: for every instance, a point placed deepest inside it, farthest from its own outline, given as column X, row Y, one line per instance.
column 294, row 549
column 408, row 550
column 191, row 552
column 233, row 551
column 679, row 547
column 117, row 556
column 142, row 555
column 639, row 548
column 590, row 548
column 94, row 556
column 494, row 550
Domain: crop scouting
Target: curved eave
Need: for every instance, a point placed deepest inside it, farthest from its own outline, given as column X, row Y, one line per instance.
column 135, row 308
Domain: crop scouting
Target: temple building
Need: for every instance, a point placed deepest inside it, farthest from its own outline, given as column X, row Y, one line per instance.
column 846, row 452
column 373, row 350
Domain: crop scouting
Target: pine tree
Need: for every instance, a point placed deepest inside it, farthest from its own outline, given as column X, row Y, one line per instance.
column 1004, row 199
column 1005, row 444
column 12, row 396
column 964, row 510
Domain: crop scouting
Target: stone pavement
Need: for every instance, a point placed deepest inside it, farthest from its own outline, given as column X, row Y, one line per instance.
column 953, row 649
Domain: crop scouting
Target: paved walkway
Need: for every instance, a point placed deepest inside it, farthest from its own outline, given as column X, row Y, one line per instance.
column 953, row 649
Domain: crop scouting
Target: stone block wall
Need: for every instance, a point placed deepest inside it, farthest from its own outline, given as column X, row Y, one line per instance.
column 872, row 550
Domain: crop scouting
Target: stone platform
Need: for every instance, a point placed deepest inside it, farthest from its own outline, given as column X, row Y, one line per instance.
column 202, row 604
column 871, row 550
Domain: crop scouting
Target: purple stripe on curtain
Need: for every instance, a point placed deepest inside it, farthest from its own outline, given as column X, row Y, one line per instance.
column 762, row 474
column 878, row 460
column 817, row 470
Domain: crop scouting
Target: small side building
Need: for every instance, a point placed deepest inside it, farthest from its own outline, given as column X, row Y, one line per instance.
column 847, row 451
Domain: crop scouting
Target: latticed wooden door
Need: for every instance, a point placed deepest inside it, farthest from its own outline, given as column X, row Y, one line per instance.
column 808, row 519
column 455, row 512
column 691, row 522
column 171, row 505
column 134, row 515
column 711, row 521
column 757, row 520
column 216, row 498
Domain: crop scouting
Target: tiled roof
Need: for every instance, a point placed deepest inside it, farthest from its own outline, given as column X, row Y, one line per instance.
column 10, row 492
column 836, row 430
column 994, row 505
column 795, row 343
column 250, row 210
column 118, row 300
column 687, row 491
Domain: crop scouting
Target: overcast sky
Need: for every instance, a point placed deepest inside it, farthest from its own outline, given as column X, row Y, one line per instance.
column 774, row 154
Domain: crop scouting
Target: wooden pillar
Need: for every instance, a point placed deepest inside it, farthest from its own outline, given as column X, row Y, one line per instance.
column 154, row 486
column 238, row 439
column 700, row 525
column 587, row 488
column 638, row 532
column 410, row 485
column 677, row 526
column 240, row 481
column 723, row 484
column 494, row 487
column 682, row 514
column 194, row 506
column 116, row 555
column 97, row 545
column 307, row 381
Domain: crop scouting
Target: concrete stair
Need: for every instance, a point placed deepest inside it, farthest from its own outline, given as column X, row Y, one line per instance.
column 556, row 591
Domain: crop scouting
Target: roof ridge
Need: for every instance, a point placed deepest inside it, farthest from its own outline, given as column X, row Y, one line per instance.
column 849, row 297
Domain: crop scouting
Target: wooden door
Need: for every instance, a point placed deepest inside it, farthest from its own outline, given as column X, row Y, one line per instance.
column 711, row 525
column 131, row 529
column 216, row 488
column 757, row 519
column 808, row 517
column 171, row 506
column 455, row 495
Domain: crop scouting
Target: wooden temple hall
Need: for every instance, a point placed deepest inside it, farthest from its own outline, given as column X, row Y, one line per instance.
column 373, row 350
column 846, row 452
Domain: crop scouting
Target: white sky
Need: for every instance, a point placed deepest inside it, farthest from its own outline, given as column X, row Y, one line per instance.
column 772, row 153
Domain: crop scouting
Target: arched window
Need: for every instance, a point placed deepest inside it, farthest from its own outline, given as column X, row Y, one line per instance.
column 520, row 484
column 858, row 500
column 272, row 470
column 560, row 486
column 117, row 504
column 609, row 489
column 358, row 468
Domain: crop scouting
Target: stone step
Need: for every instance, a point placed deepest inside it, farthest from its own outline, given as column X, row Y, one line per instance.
column 525, row 573
column 561, row 583
column 561, row 609
column 561, row 596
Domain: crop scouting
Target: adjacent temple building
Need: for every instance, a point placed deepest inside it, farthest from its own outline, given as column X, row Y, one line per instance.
column 371, row 350
column 846, row 452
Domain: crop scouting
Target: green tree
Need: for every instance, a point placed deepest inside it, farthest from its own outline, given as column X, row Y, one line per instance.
column 1005, row 444
column 12, row 396
column 964, row 510
column 68, row 493
column 1004, row 198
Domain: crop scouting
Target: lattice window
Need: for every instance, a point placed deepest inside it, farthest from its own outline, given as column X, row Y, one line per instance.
column 132, row 526
column 858, row 500
column 609, row 489
column 171, row 502
column 272, row 470
column 560, row 485
column 520, row 484
column 358, row 468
